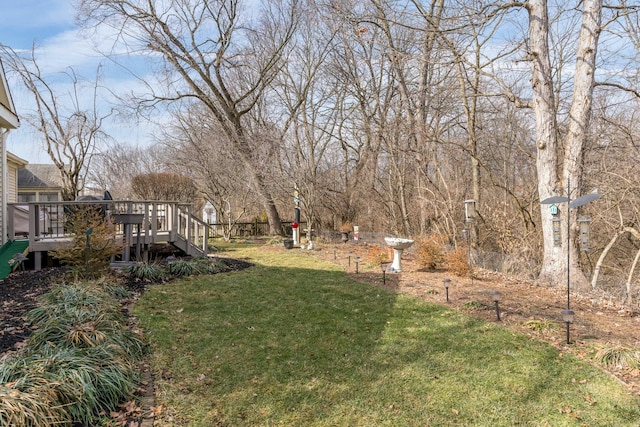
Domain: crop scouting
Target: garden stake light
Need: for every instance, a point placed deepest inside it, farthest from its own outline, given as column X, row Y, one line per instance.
column 446, row 287
column 383, row 267
column 567, row 317
column 495, row 296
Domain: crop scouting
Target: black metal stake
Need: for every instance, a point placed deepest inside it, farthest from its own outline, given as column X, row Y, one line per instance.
column 571, row 204
column 446, row 287
column 497, row 311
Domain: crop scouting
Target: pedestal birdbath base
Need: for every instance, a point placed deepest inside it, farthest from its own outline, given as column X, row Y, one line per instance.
column 398, row 244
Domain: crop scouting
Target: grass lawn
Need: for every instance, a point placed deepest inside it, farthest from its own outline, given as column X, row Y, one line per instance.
column 294, row 342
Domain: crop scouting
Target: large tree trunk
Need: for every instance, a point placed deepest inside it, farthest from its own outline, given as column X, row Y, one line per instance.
column 580, row 115
column 553, row 265
column 554, row 260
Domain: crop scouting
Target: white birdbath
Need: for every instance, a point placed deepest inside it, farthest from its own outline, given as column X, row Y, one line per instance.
column 398, row 244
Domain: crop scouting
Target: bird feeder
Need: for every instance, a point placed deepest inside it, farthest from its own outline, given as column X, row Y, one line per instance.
column 557, row 236
column 469, row 210
column 584, row 224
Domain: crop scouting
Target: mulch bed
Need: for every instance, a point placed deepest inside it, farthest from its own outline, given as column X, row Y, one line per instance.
column 19, row 293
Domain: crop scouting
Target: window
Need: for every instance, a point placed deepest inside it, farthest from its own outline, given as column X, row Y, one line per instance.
column 26, row 197
column 48, row 197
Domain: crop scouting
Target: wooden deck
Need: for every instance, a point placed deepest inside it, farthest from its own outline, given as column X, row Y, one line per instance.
column 140, row 223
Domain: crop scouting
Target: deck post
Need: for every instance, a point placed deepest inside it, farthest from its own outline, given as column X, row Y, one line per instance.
column 188, row 230
column 37, row 260
column 11, row 227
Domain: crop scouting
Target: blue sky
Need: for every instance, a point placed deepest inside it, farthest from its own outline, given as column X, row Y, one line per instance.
column 50, row 26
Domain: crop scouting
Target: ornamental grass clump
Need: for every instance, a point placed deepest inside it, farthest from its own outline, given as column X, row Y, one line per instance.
column 79, row 363
column 209, row 266
column 82, row 316
column 146, row 271
column 84, row 382
column 29, row 401
column 183, row 267
column 75, row 302
column 619, row 356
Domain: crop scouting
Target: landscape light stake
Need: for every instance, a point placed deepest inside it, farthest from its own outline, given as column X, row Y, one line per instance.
column 580, row 201
column 446, row 287
column 567, row 317
column 357, row 261
column 383, row 267
column 495, row 296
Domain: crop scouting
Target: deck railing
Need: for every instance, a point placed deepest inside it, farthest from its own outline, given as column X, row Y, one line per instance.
column 143, row 221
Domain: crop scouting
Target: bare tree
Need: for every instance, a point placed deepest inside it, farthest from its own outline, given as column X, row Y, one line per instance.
column 558, row 164
column 71, row 131
column 195, row 144
column 115, row 164
column 212, row 56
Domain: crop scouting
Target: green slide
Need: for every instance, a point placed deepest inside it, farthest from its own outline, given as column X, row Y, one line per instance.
column 7, row 251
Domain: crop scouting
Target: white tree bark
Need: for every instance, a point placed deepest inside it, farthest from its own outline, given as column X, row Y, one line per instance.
column 603, row 255
column 630, row 277
column 546, row 134
column 548, row 156
column 580, row 115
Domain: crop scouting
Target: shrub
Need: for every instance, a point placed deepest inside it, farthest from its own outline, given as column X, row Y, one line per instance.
column 346, row 227
column 457, row 262
column 377, row 255
column 102, row 242
column 430, row 252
